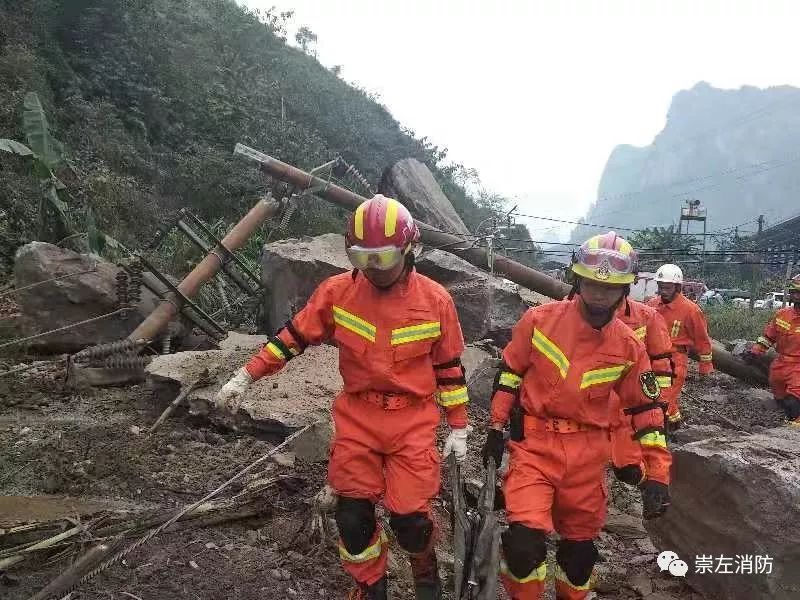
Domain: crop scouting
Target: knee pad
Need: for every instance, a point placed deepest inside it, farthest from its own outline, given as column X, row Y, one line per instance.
column 355, row 518
column 413, row 531
column 524, row 549
column 577, row 560
column 630, row 474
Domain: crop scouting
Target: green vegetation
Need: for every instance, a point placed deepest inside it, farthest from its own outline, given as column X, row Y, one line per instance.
column 149, row 98
column 731, row 323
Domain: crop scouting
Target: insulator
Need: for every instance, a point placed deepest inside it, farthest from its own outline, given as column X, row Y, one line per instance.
column 166, row 344
column 355, row 174
column 135, row 282
column 109, row 348
column 126, row 361
column 122, row 289
column 291, row 207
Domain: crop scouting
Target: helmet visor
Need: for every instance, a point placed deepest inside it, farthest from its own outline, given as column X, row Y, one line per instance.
column 383, row 259
column 614, row 261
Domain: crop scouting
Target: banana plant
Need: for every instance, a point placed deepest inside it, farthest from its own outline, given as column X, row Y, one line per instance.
column 47, row 155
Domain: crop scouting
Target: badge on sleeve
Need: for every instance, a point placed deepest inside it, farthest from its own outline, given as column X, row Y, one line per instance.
column 650, row 385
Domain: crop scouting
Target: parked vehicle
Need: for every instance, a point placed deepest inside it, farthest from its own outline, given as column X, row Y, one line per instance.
column 772, row 301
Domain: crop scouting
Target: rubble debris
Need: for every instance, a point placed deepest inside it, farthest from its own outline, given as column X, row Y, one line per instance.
column 737, row 494
column 298, row 396
column 488, row 306
column 203, row 380
column 480, row 368
column 91, row 292
column 625, row 526
column 413, row 184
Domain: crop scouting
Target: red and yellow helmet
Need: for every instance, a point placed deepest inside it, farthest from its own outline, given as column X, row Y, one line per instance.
column 380, row 233
column 606, row 258
column 794, row 283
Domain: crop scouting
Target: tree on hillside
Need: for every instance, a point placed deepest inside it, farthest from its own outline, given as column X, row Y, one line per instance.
column 658, row 245
column 307, row 40
column 151, row 96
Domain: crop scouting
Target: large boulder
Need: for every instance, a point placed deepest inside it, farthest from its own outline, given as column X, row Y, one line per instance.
column 480, row 368
column 734, row 496
column 412, row 183
column 488, row 306
column 292, row 269
column 88, row 290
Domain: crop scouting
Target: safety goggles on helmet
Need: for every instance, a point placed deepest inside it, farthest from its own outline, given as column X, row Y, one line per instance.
column 605, row 265
column 615, row 261
column 383, row 259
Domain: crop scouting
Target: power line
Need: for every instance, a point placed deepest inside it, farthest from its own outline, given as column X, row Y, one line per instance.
column 621, row 228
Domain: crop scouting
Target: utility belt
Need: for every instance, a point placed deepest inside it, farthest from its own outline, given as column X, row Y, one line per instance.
column 389, row 400
column 555, row 425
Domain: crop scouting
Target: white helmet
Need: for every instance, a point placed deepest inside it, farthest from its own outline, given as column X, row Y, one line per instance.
column 669, row 274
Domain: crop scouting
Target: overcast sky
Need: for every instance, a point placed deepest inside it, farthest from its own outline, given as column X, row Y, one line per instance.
column 535, row 94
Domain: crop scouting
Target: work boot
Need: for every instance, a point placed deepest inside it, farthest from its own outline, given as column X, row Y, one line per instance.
column 425, row 569
column 376, row 591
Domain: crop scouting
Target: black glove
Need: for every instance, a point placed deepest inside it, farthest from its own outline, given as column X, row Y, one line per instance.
column 655, row 498
column 630, row 474
column 494, row 447
column 790, row 406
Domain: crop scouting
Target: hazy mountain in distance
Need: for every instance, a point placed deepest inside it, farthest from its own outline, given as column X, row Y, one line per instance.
column 737, row 151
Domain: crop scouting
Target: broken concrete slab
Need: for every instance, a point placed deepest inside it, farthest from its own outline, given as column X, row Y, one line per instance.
column 301, row 394
column 737, row 494
column 413, row 184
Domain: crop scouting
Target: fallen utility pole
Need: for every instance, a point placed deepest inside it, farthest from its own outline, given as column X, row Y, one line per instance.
column 205, row 270
column 503, row 266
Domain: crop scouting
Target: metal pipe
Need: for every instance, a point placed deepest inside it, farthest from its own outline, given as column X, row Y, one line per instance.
column 205, row 269
column 503, row 266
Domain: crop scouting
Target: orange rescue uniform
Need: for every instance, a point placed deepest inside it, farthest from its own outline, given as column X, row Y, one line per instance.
column 648, row 327
column 399, row 356
column 563, row 372
column 783, row 334
column 688, row 330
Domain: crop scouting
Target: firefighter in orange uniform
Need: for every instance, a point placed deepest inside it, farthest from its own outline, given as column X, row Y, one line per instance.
column 783, row 334
column 400, row 345
column 555, row 386
column 689, row 331
column 648, row 326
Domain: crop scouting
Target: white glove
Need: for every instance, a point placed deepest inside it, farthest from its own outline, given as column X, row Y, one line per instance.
column 230, row 395
column 457, row 444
